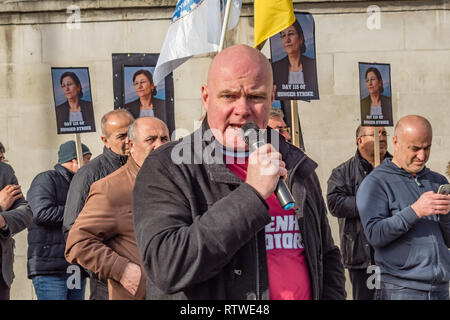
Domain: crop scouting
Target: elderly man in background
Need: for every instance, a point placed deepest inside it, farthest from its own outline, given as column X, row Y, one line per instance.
column 341, row 197
column 114, row 126
column 102, row 238
column 15, row 215
column 276, row 121
column 405, row 220
column 47, row 266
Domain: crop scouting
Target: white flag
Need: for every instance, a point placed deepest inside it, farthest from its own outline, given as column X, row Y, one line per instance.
column 194, row 29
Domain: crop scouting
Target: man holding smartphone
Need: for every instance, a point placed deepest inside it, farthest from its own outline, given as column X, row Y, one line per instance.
column 405, row 220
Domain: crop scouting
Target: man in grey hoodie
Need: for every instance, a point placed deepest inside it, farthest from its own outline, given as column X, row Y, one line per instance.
column 405, row 220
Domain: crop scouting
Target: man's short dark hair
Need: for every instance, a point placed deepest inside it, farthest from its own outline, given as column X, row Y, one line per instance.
column 2, row 148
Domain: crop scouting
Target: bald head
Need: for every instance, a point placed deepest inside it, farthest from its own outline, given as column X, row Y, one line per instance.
column 140, row 124
column 239, row 90
column 114, row 130
column 412, row 143
column 240, row 57
column 413, row 123
column 145, row 135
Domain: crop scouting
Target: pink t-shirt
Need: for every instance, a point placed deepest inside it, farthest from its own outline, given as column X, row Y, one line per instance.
column 286, row 261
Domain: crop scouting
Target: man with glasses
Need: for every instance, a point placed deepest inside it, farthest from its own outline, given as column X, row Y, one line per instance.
column 276, row 121
column 341, row 197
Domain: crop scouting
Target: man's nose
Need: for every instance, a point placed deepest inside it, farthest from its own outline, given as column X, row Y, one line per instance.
column 288, row 136
column 158, row 143
column 420, row 155
column 242, row 107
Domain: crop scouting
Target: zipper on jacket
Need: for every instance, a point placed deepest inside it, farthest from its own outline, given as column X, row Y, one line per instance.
column 417, row 182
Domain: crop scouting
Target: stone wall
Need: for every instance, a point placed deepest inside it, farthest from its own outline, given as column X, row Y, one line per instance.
column 414, row 37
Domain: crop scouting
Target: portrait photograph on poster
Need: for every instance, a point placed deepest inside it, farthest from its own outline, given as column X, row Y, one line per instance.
column 73, row 100
column 293, row 57
column 135, row 90
column 375, row 94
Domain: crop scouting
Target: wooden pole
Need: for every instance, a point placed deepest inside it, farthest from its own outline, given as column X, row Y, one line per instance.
column 376, row 135
column 79, row 150
column 295, row 130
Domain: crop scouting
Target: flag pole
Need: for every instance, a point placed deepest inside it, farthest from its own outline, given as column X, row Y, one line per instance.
column 225, row 24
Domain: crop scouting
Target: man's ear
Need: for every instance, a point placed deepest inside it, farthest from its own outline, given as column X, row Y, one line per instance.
column 130, row 144
column 394, row 141
column 273, row 93
column 205, row 97
column 105, row 141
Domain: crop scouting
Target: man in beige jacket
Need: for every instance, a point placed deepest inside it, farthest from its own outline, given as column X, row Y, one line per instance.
column 102, row 238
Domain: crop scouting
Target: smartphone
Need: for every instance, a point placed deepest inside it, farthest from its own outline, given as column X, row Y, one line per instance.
column 444, row 189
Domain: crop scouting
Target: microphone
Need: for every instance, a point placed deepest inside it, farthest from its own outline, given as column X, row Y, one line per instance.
column 254, row 139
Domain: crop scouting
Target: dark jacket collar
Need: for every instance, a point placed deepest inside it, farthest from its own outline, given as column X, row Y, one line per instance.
column 366, row 165
column 113, row 157
column 68, row 175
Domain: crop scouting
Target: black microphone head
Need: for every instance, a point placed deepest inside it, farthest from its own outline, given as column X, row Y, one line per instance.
column 249, row 130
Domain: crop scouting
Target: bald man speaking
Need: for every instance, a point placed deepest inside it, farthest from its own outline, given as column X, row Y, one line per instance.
column 210, row 226
column 405, row 220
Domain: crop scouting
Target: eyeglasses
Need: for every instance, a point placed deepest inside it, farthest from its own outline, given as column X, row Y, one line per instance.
column 383, row 133
column 283, row 130
column 142, row 82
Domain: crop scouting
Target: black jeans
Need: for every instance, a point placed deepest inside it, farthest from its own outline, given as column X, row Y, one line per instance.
column 360, row 290
column 99, row 289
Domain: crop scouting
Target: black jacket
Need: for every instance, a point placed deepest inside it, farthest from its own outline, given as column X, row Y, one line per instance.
column 47, row 198
column 200, row 229
column 341, row 198
column 17, row 218
column 94, row 170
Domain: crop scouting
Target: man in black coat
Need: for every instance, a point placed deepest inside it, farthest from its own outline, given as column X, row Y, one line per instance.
column 341, row 197
column 114, row 126
column 15, row 215
column 207, row 232
column 47, row 267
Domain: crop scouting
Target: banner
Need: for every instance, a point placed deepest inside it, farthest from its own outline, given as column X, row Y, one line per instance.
column 271, row 16
column 195, row 29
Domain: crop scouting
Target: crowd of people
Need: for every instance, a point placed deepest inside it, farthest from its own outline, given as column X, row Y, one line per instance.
column 141, row 225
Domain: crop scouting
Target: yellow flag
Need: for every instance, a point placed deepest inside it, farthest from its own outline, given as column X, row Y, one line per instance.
column 271, row 17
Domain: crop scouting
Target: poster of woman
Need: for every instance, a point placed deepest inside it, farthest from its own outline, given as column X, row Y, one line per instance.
column 135, row 90
column 293, row 57
column 141, row 96
column 73, row 100
column 375, row 94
